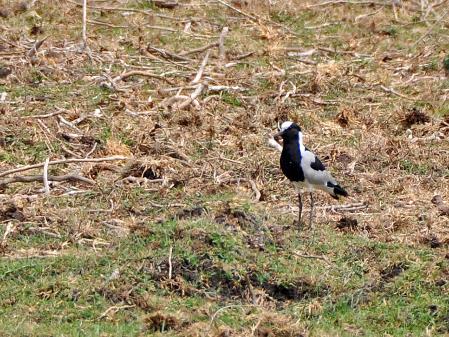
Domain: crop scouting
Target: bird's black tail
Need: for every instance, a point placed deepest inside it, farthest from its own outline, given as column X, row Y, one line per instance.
column 337, row 190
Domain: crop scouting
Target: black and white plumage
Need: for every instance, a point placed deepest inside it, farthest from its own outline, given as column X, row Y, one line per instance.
column 303, row 168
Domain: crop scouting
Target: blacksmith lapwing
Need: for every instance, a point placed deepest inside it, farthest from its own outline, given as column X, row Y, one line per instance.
column 303, row 168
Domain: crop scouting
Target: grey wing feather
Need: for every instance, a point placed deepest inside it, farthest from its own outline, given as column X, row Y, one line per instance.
column 313, row 176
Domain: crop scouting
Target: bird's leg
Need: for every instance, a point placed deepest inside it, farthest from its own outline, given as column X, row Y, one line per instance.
column 300, row 209
column 311, row 209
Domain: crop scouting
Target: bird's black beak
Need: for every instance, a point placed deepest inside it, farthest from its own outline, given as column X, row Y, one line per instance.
column 278, row 135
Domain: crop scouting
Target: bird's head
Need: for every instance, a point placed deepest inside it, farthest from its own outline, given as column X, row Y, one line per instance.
column 288, row 130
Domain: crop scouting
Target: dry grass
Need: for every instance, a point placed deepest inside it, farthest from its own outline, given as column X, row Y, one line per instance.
column 365, row 82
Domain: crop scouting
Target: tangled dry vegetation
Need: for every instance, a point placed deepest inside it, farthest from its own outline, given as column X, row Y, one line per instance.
column 163, row 115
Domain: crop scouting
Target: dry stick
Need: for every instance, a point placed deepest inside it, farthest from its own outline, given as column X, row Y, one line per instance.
column 243, row 56
column 193, row 96
column 339, row 2
column 210, row 88
column 115, row 308
column 214, row 316
column 124, row 76
column 255, row 189
column 319, row 257
column 36, row 47
column 91, row 150
column 62, row 161
column 363, row 16
column 45, row 176
column 100, row 23
column 199, row 50
column 167, row 54
column 84, row 23
column 170, row 267
column 44, row 116
column 30, row 179
column 394, row 92
column 221, row 48
column 199, row 74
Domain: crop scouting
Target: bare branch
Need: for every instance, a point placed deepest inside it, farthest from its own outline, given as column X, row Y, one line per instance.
column 124, row 76
column 45, row 176
column 40, row 178
column 36, row 47
column 84, row 23
column 199, row 74
column 221, row 48
column 199, row 50
column 167, row 54
column 63, row 161
column 170, row 267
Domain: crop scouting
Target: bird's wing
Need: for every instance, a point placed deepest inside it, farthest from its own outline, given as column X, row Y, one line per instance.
column 315, row 172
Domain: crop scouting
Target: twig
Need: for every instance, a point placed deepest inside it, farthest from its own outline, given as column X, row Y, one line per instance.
column 167, row 54
column 307, row 256
column 101, row 23
column 340, row 2
column 167, row 29
column 44, row 116
column 199, row 50
column 170, row 267
column 125, row 75
column 394, row 92
column 115, row 308
column 347, row 207
column 210, row 88
column 84, row 24
column 171, row 101
column 63, row 161
column 139, row 180
column 363, row 16
column 91, row 150
column 36, row 47
column 221, row 47
column 324, row 25
column 214, row 316
column 29, row 179
column 45, row 176
column 199, row 74
column 66, row 122
column 193, row 96
column 255, row 189
column 243, row 56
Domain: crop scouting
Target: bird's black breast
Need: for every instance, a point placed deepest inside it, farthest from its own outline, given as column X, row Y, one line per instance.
column 291, row 162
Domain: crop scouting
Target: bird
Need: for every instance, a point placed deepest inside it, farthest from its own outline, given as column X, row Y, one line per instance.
column 303, row 168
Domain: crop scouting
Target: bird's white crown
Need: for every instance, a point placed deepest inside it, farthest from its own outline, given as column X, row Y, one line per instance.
column 285, row 125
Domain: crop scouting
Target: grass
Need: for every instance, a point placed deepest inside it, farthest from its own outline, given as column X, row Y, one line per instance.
column 361, row 290
column 95, row 260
